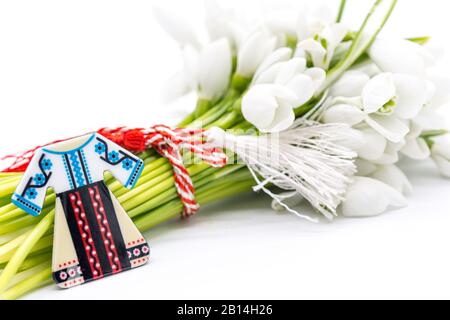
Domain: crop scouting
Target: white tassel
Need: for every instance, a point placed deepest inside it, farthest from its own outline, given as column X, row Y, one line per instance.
column 309, row 160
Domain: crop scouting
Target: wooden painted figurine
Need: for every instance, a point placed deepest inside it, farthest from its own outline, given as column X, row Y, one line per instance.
column 93, row 237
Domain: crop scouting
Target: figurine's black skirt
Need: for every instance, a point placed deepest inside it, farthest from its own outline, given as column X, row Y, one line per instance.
column 95, row 232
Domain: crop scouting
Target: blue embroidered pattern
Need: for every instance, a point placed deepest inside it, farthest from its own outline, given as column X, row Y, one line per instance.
column 31, row 193
column 66, row 167
column 100, row 148
column 76, row 166
column 113, row 157
column 26, row 205
column 88, row 172
column 127, row 164
column 47, row 164
column 135, row 175
column 39, row 179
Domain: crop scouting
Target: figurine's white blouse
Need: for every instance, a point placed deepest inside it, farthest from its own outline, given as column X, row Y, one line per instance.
column 65, row 169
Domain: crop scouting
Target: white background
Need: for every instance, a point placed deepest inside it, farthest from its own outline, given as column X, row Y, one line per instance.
column 69, row 67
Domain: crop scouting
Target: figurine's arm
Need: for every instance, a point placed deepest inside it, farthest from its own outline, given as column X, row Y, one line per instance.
column 122, row 164
column 30, row 194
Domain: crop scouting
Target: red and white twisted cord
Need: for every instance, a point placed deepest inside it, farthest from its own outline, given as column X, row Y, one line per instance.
column 168, row 142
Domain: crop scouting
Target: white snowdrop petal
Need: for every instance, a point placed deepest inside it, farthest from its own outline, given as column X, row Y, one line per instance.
column 443, row 165
column 389, row 127
column 315, row 50
column 259, row 106
column 351, row 84
column 378, row 92
column 177, row 27
column 374, row 147
column 176, row 87
column 416, row 149
column 289, row 69
column 344, row 113
column 366, row 191
column 282, row 22
column 215, row 69
column 191, row 65
column 253, row 52
column 282, row 93
column 398, row 56
column 429, row 119
column 411, row 95
column 302, row 28
column 354, row 139
column 284, row 118
column 269, row 75
column 364, row 167
column 394, row 177
column 221, row 23
column 318, row 19
column 442, row 90
column 335, row 33
column 441, row 147
column 303, row 86
column 279, row 55
column 318, row 75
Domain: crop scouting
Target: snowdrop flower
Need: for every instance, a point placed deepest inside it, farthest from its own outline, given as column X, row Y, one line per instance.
column 253, row 52
column 294, row 75
column 314, row 22
column 215, row 67
column 207, row 71
column 176, row 87
column 394, row 177
column 283, row 23
column 416, row 147
column 269, row 104
column 375, row 145
column 389, row 100
column 178, row 28
column 222, row 23
column 441, row 155
column 386, row 103
column 375, row 149
column 377, row 194
column 400, row 56
column 279, row 55
column 440, row 91
column 269, row 107
column 320, row 49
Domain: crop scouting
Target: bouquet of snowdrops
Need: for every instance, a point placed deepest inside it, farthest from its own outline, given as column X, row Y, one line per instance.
column 303, row 103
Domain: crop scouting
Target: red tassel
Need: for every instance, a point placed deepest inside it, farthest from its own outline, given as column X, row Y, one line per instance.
column 134, row 140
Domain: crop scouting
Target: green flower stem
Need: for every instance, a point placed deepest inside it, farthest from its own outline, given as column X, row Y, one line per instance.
column 18, row 224
column 14, row 244
column 171, row 192
column 229, row 120
column 240, row 83
column 33, row 261
column 341, row 10
column 37, row 281
column 433, row 134
column 24, row 250
column 42, row 245
column 140, row 196
column 202, row 107
column 360, row 44
column 233, row 173
column 170, row 211
column 9, row 187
